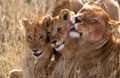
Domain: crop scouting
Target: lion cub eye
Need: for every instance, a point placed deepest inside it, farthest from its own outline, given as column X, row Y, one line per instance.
column 41, row 38
column 30, row 38
column 58, row 30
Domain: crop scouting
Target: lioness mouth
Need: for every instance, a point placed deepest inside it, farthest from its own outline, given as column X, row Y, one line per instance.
column 72, row 27
column 73, row 30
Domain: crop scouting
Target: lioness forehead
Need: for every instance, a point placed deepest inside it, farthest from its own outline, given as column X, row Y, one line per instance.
column 92, row 7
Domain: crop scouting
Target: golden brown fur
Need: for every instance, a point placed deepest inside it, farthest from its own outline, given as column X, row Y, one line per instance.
column 58, row 22
column 61, row 37
column 38, row 50
column 99, row 48
column 29, row 60
column 72, row 5
column 110, row 6
column 59, row 28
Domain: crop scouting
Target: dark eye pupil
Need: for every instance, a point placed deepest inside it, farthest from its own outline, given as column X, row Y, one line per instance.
column 41, row 38
column 59, row 29
column 83, row 10
column 65, row 16
column 29, row 37
column 94, row 20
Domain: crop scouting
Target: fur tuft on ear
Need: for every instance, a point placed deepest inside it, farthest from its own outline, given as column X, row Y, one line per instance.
column 46, row 21
column 25, row 22
column 65, row 14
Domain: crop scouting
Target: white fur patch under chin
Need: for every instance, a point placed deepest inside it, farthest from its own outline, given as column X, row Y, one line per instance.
column 60, row 47
column 52, row 45
column 74, row 34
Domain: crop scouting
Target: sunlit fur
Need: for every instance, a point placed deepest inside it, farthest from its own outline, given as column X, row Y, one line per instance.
column 36, row 66
column 99, row 45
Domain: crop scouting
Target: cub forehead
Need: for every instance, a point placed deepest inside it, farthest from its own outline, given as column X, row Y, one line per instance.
column 36, row 27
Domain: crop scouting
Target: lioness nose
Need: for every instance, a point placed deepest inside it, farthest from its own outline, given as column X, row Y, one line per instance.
column 77, row 20
column 54, row 41
column 35, row 51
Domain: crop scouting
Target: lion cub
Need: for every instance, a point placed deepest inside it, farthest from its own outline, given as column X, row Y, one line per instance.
column 38, row 50
column 58, row 29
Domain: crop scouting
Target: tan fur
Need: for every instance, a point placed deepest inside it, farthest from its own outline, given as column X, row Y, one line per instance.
column 110, row 6
column 56, row 23
column 36, row 39
column 58, row 27
column 99, row 48
column 69, row 65
column 72, row 5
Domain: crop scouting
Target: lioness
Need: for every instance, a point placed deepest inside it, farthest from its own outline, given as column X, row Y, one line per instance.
column 99, row 47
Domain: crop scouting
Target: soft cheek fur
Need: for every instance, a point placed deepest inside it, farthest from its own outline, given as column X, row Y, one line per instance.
column 60, row 47
column 74, row 34
column 92, row 32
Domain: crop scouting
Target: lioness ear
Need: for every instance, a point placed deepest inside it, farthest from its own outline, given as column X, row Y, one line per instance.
column 47, row 20
column 25, row 22
column 65, row 14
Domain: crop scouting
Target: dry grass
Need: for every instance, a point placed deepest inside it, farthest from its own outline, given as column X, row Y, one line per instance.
column 11, row 31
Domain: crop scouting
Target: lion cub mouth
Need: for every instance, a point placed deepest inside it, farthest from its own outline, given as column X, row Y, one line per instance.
column 59, row 47
column 38, row 54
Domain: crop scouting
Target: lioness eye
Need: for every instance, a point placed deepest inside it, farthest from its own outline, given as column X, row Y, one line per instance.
column 83, row 10
column 41, row 38
column 59, row 29
column 29, row 37
column 94, row 20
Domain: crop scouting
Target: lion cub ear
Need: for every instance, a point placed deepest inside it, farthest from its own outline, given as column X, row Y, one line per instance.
column 65, row 14
column 46, row 21
column 25, row 23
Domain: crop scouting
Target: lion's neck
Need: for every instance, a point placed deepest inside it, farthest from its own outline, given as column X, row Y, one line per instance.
column 70, row 47
column 88, row 49
column 78, row 47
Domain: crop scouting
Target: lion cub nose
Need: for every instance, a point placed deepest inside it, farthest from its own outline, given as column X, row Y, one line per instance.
column 77, row 20
column 35, row 51
column 54, row 41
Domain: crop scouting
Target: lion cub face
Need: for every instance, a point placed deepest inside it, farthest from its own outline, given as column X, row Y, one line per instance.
column 36, row 36
column 91, row 23
column 59, row 29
